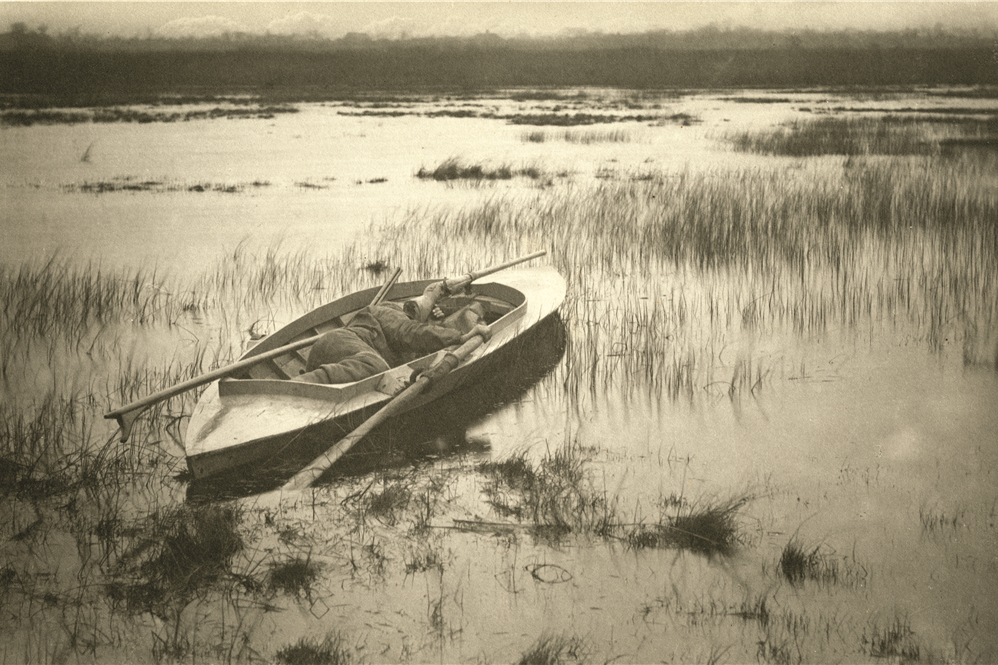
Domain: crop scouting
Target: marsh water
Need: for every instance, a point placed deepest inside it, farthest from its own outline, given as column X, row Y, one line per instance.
column 869, row 438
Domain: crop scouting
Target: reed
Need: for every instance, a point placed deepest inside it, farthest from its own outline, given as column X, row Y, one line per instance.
column 57, row 297
column 124, row 114
column 596, row 136
column 49, row 448
column 556, row 497
column 935, row 520
column 684, row 264
column 388, row 503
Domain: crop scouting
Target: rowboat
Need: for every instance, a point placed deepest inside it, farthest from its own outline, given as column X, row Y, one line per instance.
column 256, row 414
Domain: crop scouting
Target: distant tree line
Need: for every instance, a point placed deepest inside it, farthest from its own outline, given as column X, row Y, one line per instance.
column 72, row 66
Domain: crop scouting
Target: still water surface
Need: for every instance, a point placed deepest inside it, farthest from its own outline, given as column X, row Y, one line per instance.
column 855, row 435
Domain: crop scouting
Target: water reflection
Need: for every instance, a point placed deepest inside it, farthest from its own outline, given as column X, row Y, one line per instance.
column 438, row 430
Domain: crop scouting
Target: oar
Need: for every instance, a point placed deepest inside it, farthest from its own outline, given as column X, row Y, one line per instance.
column 397, row 405
column 127, row 414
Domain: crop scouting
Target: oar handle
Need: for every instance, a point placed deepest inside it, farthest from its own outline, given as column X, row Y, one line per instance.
column 127, row 414
column 458, row 283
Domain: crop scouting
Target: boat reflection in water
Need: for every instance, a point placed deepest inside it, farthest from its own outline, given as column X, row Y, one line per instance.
column 435, row 430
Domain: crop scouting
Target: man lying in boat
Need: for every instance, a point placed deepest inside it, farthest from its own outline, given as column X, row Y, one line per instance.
column 387, row 335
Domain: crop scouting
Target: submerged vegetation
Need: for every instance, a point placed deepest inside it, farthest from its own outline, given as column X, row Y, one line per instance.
column 121, row 114
column 688, row 289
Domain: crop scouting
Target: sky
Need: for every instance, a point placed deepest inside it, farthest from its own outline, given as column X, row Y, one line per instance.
column 535, row 18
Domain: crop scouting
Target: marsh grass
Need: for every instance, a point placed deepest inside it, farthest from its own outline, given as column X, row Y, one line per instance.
column 664, row 272
column 131, row 184
column 574, row 119
column 57, row 297
column 556, row 497
column 863, row 136
column 934, row 520
column 388, row 503
column 48, row 448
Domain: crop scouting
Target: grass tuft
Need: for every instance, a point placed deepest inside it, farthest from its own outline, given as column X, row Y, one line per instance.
column 710, row 530
column 309, row 651
column 294, row 577
column 798, row 565
column 455, row 169
column 895, row 641
column 549, row 650
column 388, row 503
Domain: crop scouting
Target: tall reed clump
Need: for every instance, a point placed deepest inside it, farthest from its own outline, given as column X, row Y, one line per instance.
column 247, row 281
column 710, row 529
column 666, row 273
column 578, row 137
column 58, row 297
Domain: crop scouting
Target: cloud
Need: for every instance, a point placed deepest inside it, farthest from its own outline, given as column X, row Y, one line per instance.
column 307, row 24
column 394, row 27
column 203, row 26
